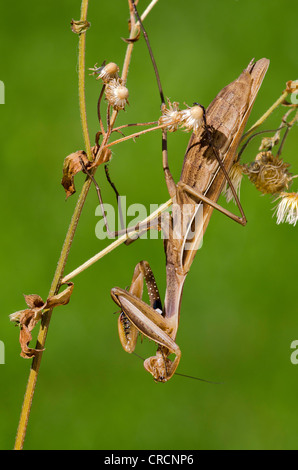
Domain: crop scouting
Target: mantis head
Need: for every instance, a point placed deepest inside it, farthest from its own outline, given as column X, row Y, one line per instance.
column 160, row 367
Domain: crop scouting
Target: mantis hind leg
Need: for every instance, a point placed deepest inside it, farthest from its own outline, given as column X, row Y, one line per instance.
column 202, row 197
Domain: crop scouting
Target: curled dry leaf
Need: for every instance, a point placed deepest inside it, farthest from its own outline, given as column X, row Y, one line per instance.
column 60, row 299
column 27, row 323
column 75, row 162
column 132, row 40
column 28, row 318
column 71, row 166
column 33, row 301
column 79, row 27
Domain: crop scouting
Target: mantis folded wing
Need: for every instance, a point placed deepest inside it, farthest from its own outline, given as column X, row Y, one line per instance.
column 209, row 157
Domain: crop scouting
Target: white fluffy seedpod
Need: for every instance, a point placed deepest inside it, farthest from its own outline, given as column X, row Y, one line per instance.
column 287, row 209
column 171, row 117
column 192, row 118
column 117, row 94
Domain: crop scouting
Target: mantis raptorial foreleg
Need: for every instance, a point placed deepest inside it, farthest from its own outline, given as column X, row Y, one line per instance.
column 138, row 317
column 128, row 333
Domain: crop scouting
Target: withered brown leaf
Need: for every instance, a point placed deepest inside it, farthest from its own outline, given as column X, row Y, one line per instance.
column 27, row 319
column 33, row 301
column 132, row 40
column 71, row 166
column 78, row 161
column 60, row 299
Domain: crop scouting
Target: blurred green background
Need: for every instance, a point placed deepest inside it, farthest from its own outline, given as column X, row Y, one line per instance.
column 239, row 310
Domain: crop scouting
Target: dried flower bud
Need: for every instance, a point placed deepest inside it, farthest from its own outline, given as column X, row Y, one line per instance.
column 268, row 173
column 170, row 117
column 106, row 72
column 117, row 94
column 79, row 27
column 287, row 209
column 269, row 142
column 235, row 174
column 192, row 118
column 292, row 86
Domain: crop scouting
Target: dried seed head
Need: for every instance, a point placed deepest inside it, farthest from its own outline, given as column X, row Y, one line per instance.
column 117, row 94
column 192, row 118
column 287, row 209
column 268, row 173
column 27, row 319
column 235, row 174
column 269, row 142
column 170, row 116
column 106, row 72
column 292, row 86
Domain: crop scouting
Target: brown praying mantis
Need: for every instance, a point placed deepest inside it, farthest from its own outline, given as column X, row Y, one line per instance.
column 209, row 157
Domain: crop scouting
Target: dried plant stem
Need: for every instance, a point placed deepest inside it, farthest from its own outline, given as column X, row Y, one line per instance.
column 56, row 283
column 82, row 98
column 42, row 335
column 289, row 126
column 137, row 134
column 116, row 243
column 135, row 124
column 266, row 115
column 148, row 9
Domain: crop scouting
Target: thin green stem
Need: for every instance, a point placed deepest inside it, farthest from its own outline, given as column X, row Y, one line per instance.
column 82, row 98
column 56, row 283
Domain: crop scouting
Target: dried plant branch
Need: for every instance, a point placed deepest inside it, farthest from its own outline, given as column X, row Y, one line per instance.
column 137, row 134
column 116, row 243
column 147, row 10
column 263, row 118
column 289, row 126
column 98, row 110
column 140, row 21
column 135, row 124
column 41, row 339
